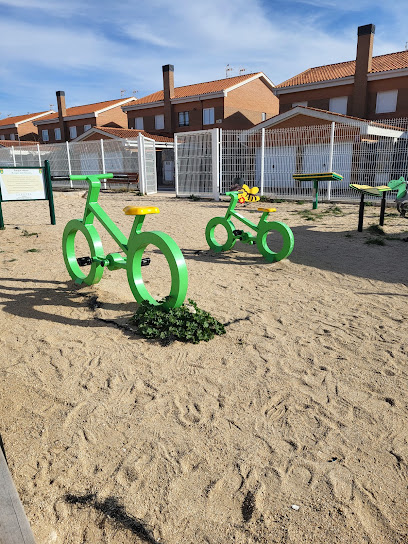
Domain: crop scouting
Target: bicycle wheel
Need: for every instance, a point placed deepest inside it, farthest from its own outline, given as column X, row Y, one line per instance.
column 95, row 248
column 175, row 260
column 287, row 239
column 210, row 235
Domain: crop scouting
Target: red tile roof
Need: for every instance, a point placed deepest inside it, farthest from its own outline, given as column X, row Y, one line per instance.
column 20, row 118
column 382, row 63
column 87, row 108
column 131, row 133
column 198, row 88
column 16, row 143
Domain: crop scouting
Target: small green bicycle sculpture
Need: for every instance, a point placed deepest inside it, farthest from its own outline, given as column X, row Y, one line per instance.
column 133, row 248
column 262, row 229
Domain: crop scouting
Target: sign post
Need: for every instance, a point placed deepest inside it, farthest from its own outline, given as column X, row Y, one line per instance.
column 26, row 183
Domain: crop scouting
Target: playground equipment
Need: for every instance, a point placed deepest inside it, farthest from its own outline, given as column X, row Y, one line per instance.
column 323, row 176
column 381, row 190
column 133, row 248
column 262, row 229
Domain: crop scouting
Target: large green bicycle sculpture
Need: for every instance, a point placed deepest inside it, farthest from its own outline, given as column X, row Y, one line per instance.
column 133, row 248
column 262, row 229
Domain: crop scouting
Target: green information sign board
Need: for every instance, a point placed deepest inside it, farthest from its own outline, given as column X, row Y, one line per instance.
column 26, row 183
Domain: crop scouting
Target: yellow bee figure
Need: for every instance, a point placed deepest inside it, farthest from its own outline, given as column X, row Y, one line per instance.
column 248, row 195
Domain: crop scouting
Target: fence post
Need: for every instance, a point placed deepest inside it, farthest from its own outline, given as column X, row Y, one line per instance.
column 69, row 166
column 262, row 161
column 215, row 153
column 14, row 155
column 330, row 159
column 141, row 157
column 176, row 165
column 39, row 154
column 103, row 163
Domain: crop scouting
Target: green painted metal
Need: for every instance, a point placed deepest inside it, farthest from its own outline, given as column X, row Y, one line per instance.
column 48, row 190
column 319, row 176
column 262, row 229
column 133, row 249
column 401, row 186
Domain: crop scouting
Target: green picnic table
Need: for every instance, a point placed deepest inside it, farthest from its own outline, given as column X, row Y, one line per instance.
column 322, row 176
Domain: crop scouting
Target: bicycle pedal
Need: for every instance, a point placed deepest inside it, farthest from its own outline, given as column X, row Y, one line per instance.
column 237, row 232
column 84, row 261
column 146, row 261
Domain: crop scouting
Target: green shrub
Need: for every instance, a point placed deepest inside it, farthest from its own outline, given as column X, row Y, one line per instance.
column 194, row 197
column 187, row 323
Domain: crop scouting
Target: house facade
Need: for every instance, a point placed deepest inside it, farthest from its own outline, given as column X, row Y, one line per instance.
column 233, row 103
column 22, row 127
column 69, row 123
column 369, row 87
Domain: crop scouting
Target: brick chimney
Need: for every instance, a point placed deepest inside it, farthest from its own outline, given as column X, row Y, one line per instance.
column 363, row 66
column 168, row 90
column 62, row 112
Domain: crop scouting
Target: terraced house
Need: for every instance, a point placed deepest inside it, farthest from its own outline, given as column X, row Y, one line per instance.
column 21, row 127
column 69, row 123
column 369, row 87
column 232, row 103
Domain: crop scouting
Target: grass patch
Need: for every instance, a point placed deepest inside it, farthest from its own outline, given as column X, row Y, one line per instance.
column 195, row 198
column 33, row 250
column 26, row 233
column 187, row 323
column 311, row 215
column 375, row 241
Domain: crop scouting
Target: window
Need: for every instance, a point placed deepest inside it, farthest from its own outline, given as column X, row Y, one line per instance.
column 338, row 104
column 386, row 102
column 12, row 137
column 139, row 123
column 57, row 133
column 2, row 137
column 44, row 135
column 159, row 122
column 184, row 119
column 87, row 127
column 304, row 103
column 72, row 132
column 208, row 116
column 264, row 116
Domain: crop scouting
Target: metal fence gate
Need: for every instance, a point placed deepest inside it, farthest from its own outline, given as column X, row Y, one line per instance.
column 90, row 157
column 210, row 162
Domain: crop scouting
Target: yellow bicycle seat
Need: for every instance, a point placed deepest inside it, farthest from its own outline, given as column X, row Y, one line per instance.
column 137, row 210
column 269, row 210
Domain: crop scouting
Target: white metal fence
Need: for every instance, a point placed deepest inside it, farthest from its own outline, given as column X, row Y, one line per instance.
column 363, row 153
column 91, row 157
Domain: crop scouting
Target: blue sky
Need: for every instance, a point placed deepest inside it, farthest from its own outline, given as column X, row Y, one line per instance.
column 94, row 49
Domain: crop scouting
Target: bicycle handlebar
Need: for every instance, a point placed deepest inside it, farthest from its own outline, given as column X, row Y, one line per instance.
column 77, row 178
column 99, row 176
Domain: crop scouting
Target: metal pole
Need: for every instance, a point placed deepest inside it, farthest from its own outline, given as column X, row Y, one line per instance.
column 176, row 184
column 14, row 155
column 330, row 159
column 142, row 171
column 215, row 153
column 262, row 161
column 39, row 154
column 103, row 163
column 69, row 166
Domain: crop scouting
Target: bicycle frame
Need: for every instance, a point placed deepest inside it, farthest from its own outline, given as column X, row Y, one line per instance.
column 262, row 229
column 232, row 213
column 133, row 248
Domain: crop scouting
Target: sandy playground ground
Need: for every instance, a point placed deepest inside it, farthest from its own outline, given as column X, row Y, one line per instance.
column 112, row 438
